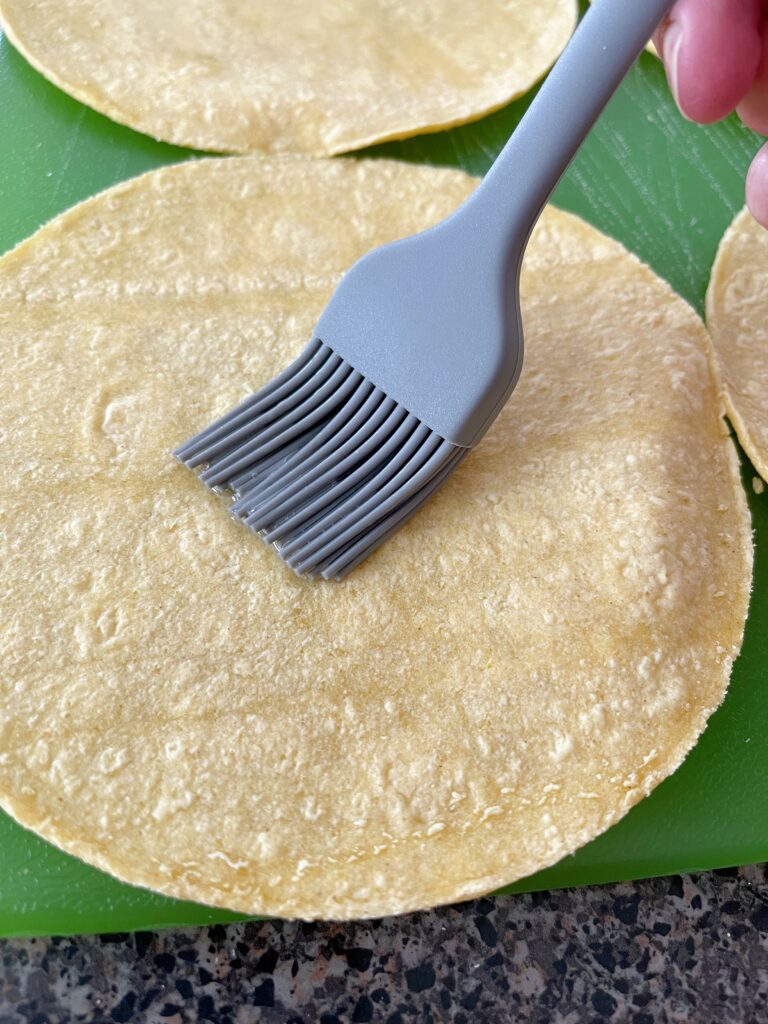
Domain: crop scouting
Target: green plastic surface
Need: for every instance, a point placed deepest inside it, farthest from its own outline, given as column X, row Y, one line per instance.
column 667, row 189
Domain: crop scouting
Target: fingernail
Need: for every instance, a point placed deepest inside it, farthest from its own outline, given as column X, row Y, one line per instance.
column 673, row 38
column 753, row 109
column 757, row 187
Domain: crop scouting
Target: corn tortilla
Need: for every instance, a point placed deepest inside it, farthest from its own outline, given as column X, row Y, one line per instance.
column 498, row 684
column 278, row 75
column 737, row 317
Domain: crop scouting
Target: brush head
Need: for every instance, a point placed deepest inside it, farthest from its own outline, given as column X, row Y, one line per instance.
column 321, row 463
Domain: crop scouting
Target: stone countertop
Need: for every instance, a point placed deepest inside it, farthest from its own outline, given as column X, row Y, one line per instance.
column 691, row 948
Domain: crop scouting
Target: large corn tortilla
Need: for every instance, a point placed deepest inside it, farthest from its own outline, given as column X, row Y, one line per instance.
column 495, row 686
column 318, row 77
column 737, row 317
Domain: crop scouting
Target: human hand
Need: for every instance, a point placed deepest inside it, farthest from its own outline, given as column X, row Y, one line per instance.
column 716, row 57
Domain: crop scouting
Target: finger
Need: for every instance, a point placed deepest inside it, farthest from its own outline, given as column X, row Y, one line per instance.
column 753, row 109
column 757, row 187
column 711, row 51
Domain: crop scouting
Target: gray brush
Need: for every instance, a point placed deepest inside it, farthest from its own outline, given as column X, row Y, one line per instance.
column 420, row 345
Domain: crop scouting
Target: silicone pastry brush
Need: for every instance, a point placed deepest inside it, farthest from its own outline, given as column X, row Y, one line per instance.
column 420, row 345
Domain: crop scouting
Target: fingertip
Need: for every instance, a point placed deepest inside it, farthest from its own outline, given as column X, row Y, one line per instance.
column 711, row 51
column 757, row 187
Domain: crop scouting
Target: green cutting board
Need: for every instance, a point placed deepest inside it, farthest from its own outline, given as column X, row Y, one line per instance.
column 667, row 189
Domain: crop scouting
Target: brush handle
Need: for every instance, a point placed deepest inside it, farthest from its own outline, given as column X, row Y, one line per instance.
column 606, row 42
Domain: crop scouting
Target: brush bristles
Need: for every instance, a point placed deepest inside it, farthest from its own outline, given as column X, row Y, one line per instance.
column 322, row 463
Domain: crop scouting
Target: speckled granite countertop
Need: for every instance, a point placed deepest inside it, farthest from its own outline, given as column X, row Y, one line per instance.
column 691, row 948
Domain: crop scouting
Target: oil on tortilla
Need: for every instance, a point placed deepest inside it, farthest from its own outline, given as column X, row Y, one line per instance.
column 494, row 687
